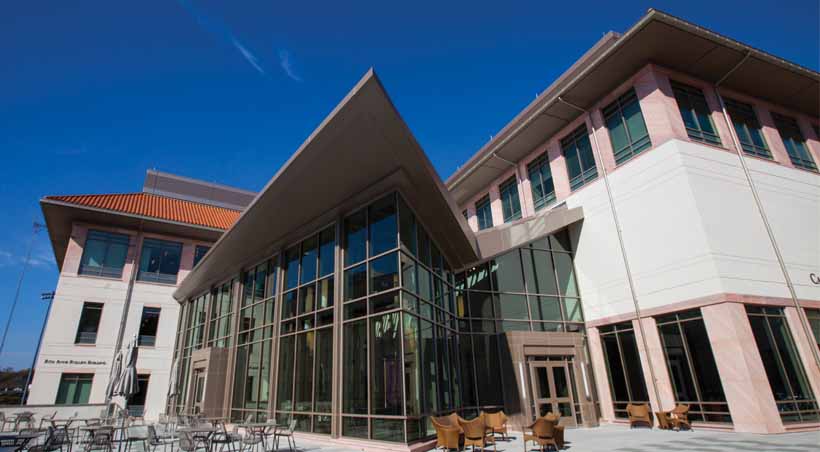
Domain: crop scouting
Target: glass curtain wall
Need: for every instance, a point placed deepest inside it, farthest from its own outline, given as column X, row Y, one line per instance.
column 692, row 367
column 304, row 381
column 790, row 387
column 398, row 325
column 626, row 380
column 531, row 288
column 251, row 385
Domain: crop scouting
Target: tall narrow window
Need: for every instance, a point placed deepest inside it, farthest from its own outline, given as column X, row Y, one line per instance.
column 578, row 155
column 484, row 213
column 89, row 323
column 199, row 252
column 787, row 378
column 104, row 254
column 695, row 113
column 543, row 188
column 160, row 261
column 74, row 389
column 814, row 320
column 510, row 204
column 626, row 381
column 747, row 128
column 627, row 129
column 148, row 327
column 136, row 403
column 692, row 367
column 795, row 143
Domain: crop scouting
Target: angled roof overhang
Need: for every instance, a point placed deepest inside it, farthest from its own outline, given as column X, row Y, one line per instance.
column 61, row 215
column 657, row 38
column 360, row 151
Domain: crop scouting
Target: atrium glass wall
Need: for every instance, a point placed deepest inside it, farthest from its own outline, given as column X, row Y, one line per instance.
column 531, row 288
column 412, row 345
column 626, row 381
column 252, row 374
column 399, row 328
column 304, row 381
column 787, row 378
column 692, row 367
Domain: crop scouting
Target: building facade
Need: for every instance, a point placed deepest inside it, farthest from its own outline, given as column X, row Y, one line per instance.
column 646, row 231
column 120, row 259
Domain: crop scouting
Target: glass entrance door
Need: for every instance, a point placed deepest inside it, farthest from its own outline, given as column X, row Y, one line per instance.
column 550, row 390
column 199, row 390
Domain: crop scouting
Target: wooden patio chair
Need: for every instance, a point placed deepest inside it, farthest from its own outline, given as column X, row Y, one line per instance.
column 475, row 433
column 542, row 433
column 664, row 420
column 497, row 423
column 559, row 429
column 447, row 436
column 680, row 417
column 638, row 414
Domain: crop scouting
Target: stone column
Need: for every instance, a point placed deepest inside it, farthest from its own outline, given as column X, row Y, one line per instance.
column 744, row 379
column 598, row 364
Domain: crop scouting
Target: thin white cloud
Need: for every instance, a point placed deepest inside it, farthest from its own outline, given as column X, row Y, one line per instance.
column 222, row 31
column 250, row 57
column 287, row 66
column 39, row 260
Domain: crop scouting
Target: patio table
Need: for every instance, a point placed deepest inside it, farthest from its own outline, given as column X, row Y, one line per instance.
column 17, row 441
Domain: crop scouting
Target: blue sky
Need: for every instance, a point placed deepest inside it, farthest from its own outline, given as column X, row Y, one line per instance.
column 93, row 93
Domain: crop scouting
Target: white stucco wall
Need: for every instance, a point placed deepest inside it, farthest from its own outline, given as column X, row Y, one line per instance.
column 59, row 350
column 691, row 229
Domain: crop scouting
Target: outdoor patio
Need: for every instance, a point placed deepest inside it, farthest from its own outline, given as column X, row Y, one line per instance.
column 616, row 438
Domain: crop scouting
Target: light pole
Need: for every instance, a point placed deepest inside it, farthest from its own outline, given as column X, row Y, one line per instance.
column 46, row 296
column 35, row 229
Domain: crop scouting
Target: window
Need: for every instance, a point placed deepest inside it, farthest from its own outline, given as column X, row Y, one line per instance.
column 148, row 327
column 484, row 213
column 160, row 261
column 794, row 142
column 104, row 254
column 89, row 323
column 626, row 380
column 543, row 188
column 691, row 365
column 74, row 389
column 747, row 128
column 136, row 403
column 813, row 316
column 787, row 378
column 510, row 204
column 578, row 155
column 695, row 113
column 627, row 129
column 221, row 316
column 199, row 253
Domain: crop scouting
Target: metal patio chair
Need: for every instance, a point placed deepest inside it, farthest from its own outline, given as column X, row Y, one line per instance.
column 286, row 433
column 156, row 440
column 56, row 439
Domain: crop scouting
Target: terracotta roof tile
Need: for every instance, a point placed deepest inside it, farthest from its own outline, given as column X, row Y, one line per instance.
column 156, row 206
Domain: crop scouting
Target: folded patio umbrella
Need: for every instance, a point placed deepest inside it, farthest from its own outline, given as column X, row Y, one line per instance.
column 128, row 386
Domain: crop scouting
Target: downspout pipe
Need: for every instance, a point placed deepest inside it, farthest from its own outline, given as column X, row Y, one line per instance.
column 804, row 321
column 627, row 268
